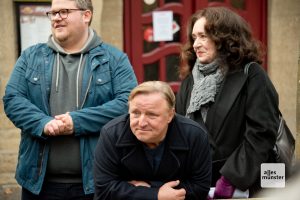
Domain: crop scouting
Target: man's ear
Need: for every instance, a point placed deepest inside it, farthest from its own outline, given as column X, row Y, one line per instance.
column 171, row 114
column 87, row 16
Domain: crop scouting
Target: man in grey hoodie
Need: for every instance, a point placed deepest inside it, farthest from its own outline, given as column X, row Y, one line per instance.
column 59, row 95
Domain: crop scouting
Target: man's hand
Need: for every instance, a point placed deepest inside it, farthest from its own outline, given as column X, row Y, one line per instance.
column 61, row 125
column 139, row 183
column 167, row 191
column 68, row 123
column 54, row 127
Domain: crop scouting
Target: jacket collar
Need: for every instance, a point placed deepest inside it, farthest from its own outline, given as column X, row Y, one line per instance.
column 126, row 137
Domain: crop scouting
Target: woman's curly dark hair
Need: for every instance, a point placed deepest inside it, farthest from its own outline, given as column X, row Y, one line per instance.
column 232, row 36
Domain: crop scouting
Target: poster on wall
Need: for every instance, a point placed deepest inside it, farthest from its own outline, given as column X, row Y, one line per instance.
column 35, row 27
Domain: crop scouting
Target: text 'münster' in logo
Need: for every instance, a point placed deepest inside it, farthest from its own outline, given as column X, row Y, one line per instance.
column 272, row 175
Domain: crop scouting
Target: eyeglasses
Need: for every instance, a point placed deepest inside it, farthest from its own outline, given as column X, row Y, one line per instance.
column 63, row 13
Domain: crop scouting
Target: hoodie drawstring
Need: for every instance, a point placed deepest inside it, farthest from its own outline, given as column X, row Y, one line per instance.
column 77, row 81
column 57, row 71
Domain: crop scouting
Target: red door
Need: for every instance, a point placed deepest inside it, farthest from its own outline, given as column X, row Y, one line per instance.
column 160, row 60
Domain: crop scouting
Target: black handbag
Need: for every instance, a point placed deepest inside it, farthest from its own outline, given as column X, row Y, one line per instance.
column 284, row 149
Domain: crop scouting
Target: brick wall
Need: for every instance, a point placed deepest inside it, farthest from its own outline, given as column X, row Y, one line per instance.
column 112, row 23
column 283, row 52
column 9, row 135
column 298, row 103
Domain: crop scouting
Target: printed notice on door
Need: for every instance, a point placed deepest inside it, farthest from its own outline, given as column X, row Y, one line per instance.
column 35, row 27
column 162, row 25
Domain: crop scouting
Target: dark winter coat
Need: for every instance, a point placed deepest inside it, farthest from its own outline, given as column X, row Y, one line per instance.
column 242, row 124
column 120, row 157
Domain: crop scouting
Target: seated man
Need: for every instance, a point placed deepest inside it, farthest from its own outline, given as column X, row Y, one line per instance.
column 152, row 153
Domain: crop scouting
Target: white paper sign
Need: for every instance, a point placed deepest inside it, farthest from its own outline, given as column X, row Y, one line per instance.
column 35, row 27
column 162, row 25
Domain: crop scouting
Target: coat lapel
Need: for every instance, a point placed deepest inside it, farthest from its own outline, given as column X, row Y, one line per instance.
column 134, row 158
column 218, row 112
column 168, row 166
column 175, row 141
column 136, row 162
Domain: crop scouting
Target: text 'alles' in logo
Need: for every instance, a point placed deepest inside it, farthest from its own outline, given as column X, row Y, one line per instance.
column 272, row 175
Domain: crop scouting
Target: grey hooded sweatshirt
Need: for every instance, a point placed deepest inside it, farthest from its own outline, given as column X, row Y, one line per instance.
column 64, row 164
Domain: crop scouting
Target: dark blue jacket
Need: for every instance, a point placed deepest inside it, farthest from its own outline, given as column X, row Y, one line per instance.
column 120, row 157
column 107, row 80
